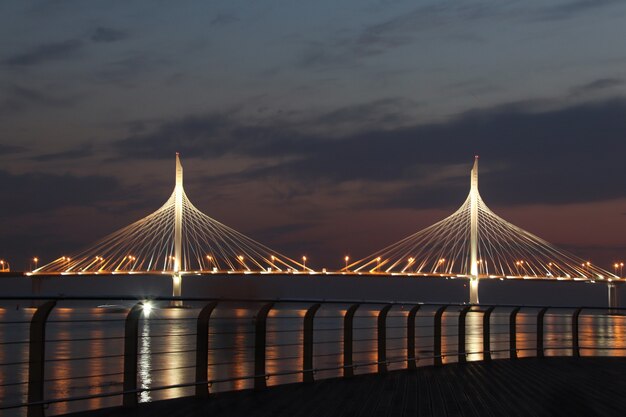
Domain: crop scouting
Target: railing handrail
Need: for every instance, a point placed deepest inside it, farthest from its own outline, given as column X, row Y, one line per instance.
column 37, row 340
column 295, row 300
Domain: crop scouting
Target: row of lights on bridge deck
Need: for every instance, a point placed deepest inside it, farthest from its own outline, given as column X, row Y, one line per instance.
column 618, row 267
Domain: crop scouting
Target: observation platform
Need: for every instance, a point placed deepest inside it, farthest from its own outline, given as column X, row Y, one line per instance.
column 557, row 386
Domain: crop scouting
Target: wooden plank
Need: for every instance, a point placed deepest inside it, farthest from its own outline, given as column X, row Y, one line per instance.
column 524, row 387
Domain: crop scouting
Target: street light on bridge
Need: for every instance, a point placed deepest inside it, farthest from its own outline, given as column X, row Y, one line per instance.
column 304, row 263
column 67, row 260
column 347, row 258
column 439, row 263
column 240, row 258
column 131, row 261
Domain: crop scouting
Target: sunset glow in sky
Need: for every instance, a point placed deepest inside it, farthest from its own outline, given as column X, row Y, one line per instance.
column 319, row 128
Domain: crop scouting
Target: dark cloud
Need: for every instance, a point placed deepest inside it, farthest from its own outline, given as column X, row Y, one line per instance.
column 398, row 31
column 82, row 151
column 375, row 39
column 440, row 18
column 18, row 98
column 103, row 34
column 570, row 9
column 208, row 136
column 532, row 153
column 383, row 112
column 125, row 71
column 601, row 84
column 44, row 53
column 193, row 136
column 43, row 193
column 218, row 134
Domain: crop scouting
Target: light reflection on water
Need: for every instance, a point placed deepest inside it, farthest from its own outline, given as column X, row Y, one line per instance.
column 167, row 346
column 474, row 336
column 144, row 363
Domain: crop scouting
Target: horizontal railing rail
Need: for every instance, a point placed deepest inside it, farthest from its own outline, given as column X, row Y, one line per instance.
column 388, row 339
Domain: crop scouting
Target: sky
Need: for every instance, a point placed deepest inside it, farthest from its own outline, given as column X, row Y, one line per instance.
column 318, row 128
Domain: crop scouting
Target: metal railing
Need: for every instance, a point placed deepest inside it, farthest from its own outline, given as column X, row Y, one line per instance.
column 305, row 334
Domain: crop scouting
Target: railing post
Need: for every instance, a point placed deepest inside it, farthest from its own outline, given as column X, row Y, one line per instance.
column 348, row 369
column 307, row 344
column 410, row 338
column 202, row 350
column 513, row 333
column 540, row 315
column 37, row 357
column 575, row 340
column 437, row 359
column 382, row 338
column 260, row 325
column 462, row 356
column 131, row 336
column 487, row 334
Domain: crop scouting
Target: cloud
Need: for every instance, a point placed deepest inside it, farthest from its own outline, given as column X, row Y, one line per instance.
column 399, row 30
column 574, row 8
column 44, row 53
column 18, row 98
column 218, row 134
column 531, row 153
column 378, row 38
column 127, row 70
column 450, row 21
column 43, row 193
column 82, row 151
column 601, row 84
column 103, row 34
column 382, row 112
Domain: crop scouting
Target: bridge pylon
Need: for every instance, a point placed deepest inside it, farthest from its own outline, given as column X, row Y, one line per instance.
column 473, row 201
column 177, row 278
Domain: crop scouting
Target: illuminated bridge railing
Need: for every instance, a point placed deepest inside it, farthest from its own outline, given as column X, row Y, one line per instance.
column 77, row 353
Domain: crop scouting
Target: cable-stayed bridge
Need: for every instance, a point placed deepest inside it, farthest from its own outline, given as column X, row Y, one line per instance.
column 473, row 243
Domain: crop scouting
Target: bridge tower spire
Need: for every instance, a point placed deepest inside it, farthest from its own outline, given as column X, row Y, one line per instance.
column 178, row 231
column 178, row 214
column 474, row 198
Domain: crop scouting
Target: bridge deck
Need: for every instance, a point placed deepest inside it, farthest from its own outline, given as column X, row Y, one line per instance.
column 526, row 387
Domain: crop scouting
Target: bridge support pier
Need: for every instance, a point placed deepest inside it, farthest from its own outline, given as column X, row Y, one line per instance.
column 473, row 286
column 177, row 289
column 612, row 296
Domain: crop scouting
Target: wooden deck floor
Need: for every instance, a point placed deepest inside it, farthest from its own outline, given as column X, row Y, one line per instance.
column 527, row 387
